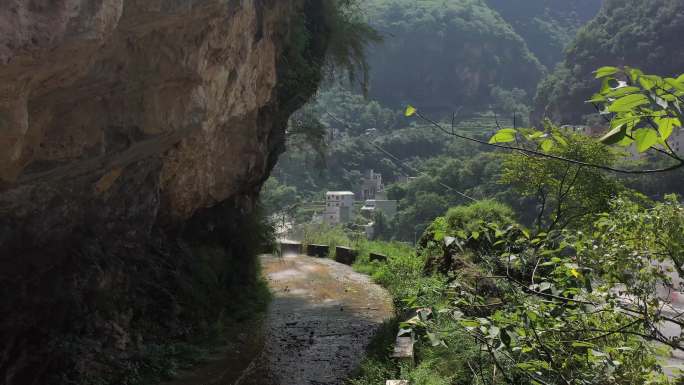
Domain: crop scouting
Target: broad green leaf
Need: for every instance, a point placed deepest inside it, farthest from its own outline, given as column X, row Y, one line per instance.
column 547, row 145
column 649, row 81
column 627, row 120
column 615, row 135
column 410, row 111
column 469, row 323
column 607, row 84
column 494, row 331
column 645, row 138
column 535, row 135
column 505, row 135
column 622, row 92
column 634, row 74
column 680, row 79
column 597, row 98
column 674, row 83
column 606, row 71
column 560, row 140
column 475, row 235
column 666, row 126
column 628, row 103
column 625, row 142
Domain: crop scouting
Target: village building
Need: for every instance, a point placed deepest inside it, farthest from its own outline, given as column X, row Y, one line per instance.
column 339, row 206
column 387, row 207
column 371, row 186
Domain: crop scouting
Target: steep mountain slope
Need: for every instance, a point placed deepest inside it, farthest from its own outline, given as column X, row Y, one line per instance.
column 547, row 26
column 642, row 34
column 446, row 54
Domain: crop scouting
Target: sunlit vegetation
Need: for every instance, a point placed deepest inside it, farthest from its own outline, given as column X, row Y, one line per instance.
column 538, row 249
column 568, row 297
column 626, row 32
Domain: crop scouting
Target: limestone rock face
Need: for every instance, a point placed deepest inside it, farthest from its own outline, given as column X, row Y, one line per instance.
column 121, row 121
column 89, row 87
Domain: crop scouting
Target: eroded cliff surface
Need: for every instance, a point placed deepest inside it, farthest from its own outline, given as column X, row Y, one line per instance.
column 126, row 125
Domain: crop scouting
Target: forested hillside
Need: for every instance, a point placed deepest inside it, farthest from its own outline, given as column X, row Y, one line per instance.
column 641, row 34
column 450, row 54
column 479, row 58
column 540, row 255
column 454, row 54
column 547, row 26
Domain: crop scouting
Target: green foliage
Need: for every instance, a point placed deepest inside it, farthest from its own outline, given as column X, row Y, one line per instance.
column 276, row 197
column 469, row 48
column 565, row 193
column 634, row 32
column 657, row 233
column 552, row 309
column 547, row 26
column 511, row 103
column 644, row 110
column 467, row 218
column 423, row 199
column 382, row 229
column 350, row 36
column 328, row 37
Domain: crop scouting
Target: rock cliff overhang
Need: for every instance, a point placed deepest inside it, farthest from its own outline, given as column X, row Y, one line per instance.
column 127, row 127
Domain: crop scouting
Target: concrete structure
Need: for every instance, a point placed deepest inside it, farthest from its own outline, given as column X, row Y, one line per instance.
column 318, row 251
column 345, row 255
column 371, row 185
column 369, row 230
column 676, row 141
column 290, row 248
column 377, row 257
column 387, row 207
column 403, row 350
column 405, row 179
column 338, row 207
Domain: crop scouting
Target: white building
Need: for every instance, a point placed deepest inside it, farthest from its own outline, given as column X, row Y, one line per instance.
column 339, row 207
column 387, row 207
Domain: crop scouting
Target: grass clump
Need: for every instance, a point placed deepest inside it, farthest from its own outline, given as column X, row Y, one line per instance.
column 403, row 276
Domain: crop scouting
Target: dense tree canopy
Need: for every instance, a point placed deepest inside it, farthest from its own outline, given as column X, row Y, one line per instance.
column 547, row 26
column 451, row 53
column 638, row 33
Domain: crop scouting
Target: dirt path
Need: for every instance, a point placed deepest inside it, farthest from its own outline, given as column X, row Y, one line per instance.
column 322, row 317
